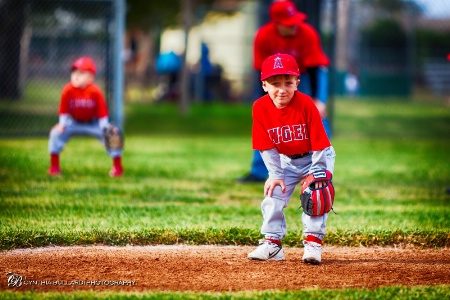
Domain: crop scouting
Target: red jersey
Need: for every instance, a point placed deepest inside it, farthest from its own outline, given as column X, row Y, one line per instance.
column 304, row 46
column 83, row 104
column 294, row 129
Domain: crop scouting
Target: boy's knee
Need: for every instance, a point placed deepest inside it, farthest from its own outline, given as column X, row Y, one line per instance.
column 277, row 199
column 54, row 132
column 114, row 152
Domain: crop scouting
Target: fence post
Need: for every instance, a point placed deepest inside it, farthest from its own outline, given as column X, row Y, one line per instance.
column 119, row 16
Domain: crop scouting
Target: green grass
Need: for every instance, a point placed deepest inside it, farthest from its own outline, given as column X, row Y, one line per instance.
column 180, row 181
column 392, row 169
column 410, row 293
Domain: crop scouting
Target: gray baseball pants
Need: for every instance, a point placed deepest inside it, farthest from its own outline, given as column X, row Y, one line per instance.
column 58, row 140
column 272, row 208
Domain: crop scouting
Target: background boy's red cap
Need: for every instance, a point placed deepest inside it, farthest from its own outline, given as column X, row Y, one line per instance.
column 285, row 13
column 279, row 64
column 85, row 64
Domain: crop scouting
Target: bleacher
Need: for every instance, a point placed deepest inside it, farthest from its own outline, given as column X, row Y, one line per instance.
column 437, row 75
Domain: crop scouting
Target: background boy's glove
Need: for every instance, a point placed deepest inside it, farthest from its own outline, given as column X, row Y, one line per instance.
column 317, row 202
column 113, row 137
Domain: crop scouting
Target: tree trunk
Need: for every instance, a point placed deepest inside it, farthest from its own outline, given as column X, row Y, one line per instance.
column 186, row 6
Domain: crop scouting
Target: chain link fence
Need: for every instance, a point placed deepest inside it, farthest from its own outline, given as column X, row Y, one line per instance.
column 393, row 48
column 39, row 41
column 390, row 48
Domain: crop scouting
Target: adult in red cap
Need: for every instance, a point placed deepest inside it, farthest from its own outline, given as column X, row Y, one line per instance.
column 288, row 33
column 286, row 14
column 288, row 132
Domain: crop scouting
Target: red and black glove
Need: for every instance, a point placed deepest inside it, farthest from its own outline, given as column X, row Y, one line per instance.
column 317, row 201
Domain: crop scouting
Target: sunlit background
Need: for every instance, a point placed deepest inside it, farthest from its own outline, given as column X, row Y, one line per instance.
column 378, row 48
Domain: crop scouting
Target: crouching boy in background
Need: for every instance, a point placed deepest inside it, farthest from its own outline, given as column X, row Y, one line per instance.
column 83, row 111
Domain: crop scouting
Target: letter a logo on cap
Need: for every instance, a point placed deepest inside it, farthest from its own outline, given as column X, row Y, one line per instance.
column 277, row 63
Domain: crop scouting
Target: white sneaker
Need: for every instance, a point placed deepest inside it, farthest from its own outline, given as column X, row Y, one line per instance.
column 267, row 250
column 313, row 253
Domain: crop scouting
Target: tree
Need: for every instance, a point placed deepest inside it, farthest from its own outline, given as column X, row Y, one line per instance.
column 147, row 15
column 152, row 15
column 12, row 22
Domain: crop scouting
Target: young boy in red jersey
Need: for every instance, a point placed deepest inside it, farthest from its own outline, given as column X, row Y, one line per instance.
column 82, row 111
column 288, row 132
column 288, row 32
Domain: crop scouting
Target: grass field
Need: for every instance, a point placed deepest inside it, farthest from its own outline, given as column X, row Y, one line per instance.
column 391, row 174
column 414, row 293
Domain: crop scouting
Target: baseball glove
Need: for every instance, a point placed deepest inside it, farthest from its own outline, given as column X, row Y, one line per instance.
column 113, row 138
column 317, row 202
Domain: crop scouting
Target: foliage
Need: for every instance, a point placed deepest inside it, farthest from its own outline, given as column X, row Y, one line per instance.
column 160, row 14
column 18, row 239
column 432, row 43
column 146, row 14
column 384, row 33
column 395, row 6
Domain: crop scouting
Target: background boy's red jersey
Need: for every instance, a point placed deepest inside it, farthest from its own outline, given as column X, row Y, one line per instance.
column 83, row 104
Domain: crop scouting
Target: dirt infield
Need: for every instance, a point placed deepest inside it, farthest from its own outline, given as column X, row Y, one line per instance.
column 215, row 268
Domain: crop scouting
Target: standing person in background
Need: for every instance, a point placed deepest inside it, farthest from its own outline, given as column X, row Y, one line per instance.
column 83, row 111
column 168, row 66
column 288, row 33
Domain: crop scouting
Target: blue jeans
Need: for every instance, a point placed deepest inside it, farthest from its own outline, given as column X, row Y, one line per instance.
column 258, row 167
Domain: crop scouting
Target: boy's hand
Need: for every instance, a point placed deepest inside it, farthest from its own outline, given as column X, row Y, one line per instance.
column 271, row 184
column 59, row 127
column 317, row 195
column 319, row 184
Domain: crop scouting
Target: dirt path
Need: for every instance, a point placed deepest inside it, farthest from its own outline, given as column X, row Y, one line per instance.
column 215, row 268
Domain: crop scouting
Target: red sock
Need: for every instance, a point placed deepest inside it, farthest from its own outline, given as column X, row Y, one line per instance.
column 311, row 238
column 117, row 162
column 54, row 160
column 275, row 241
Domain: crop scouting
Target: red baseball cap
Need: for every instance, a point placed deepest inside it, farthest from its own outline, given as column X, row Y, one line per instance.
column 279, row 64
column 85, row 64
column 285, row 13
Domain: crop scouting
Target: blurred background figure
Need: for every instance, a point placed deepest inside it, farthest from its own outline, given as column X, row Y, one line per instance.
column 137, row 53
column 168, row 65
column 205, row 76
column 82, row 111
column 208, row 83
column 351, row 84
